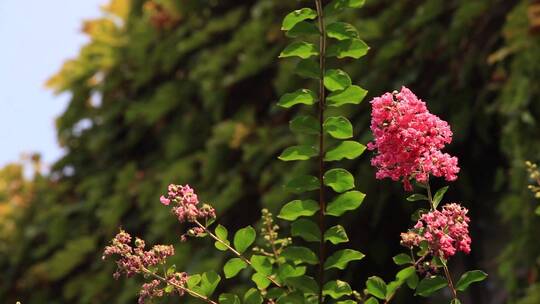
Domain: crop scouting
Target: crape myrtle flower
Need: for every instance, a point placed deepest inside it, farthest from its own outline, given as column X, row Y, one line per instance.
column 446, row 232
column 408, row 140
column 136, row 260
column 149, row 291
column 186, row 204
column 133, row 260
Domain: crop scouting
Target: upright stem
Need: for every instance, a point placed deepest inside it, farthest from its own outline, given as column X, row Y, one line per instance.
column 322, row 203
column 430, row 197
column 445, row 267
column 450, row 282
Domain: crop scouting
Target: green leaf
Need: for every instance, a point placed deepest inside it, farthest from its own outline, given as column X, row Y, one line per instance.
column 337, row 289
column 348, row 302
column 228, row 298
column 405, row 273
column 341, row 258
column 221, row 233
column 417, row 197
column 253, row 296
column 303, row 28
column 428, row 286
column 351, row 95
column 304, row 124
column 338, row 127
column 304, row 283
column 340, row 180
column 298, row 254
column 376, row 287
column 308, row 68
column 412, row 281
column 336, row 80
column 260, row 280
column 244, row 238
column 336, row 235
column 261, row 264
column 297, row 208
column 337, row 6
column 297, row 16
column 302, row 183
column 300, row 49
column 171, row 270
column 346, row 149
column 455, row 301
column 402, row 259
column 341, row 31
column 372, row 300
column 537, row 210
column 345, row 202
column 193, row 280
column 470, row 277
column 209, row 282
column 306, row 229
column 295, row 297
column 167, row 289
column 302, row 96
column 301, row 152
column 233, row 267
column 287, row 271
column 437, row 198
column 275, row 292
column 353, row 48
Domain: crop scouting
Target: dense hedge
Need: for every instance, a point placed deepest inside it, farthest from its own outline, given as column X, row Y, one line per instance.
column 184, row 91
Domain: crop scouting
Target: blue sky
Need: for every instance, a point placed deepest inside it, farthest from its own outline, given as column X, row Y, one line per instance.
column 35, row 39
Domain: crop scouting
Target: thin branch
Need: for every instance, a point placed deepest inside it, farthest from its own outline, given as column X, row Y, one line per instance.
column 450, row 282
column 238, row 254
column 179, row 287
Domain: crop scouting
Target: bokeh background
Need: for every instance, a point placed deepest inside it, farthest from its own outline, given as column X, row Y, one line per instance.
column 184, row 91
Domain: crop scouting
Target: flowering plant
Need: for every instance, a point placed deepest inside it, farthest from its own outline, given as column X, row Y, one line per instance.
column 301, row 268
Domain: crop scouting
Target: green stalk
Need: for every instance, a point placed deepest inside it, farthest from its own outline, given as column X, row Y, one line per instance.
column 446, row 271
column 322, row 97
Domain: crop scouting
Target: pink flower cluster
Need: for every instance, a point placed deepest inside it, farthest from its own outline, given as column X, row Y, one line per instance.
column 149, row 291
column 135, row 259
column 409, row 139
column 446, row 232
column 186, row 204
column 152, row 289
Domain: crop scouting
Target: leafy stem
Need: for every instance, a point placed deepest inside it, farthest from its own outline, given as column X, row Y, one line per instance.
column 322, row 203
column 179, row 287
column 430, row 197
column 445, row 267
column 230, row 248
column 450, row 282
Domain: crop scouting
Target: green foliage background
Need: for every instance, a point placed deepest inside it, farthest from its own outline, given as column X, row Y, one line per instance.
column 184, row 91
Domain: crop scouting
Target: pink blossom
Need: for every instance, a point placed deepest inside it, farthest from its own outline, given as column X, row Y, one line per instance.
column 186, row 205
column 409, row 139
column 149, row 291
column 446, row 232
column 165, row 201
column 133, row 260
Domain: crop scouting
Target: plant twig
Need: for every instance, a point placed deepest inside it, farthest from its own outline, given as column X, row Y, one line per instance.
column 230, row 248
column 180, row 287
column 450, row 282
